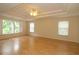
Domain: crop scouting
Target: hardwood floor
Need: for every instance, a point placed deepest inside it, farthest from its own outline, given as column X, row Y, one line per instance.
column 29, row 45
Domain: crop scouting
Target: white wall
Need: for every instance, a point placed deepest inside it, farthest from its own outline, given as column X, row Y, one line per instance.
column 48, row 27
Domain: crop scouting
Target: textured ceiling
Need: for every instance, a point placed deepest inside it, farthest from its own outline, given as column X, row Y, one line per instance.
column 22, row 11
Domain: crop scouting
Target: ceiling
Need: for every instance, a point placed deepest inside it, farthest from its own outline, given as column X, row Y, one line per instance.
column 22, row 10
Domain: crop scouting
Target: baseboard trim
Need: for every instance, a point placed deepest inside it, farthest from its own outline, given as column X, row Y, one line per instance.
column 39, row 35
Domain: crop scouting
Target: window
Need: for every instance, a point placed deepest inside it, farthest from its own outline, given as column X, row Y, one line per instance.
column 31, row 27
column 17, row 26
column 63, row 27
column 9, row 27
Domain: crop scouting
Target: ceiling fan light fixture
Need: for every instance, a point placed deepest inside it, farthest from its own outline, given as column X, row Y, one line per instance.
column 33, row 12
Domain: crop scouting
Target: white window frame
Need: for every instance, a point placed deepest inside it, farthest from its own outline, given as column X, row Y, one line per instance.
column 32, row 26
column 19, row 26
column 13, row 21
column 61, row 28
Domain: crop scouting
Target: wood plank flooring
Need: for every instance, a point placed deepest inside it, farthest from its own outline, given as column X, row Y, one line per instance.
column 29, row 45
